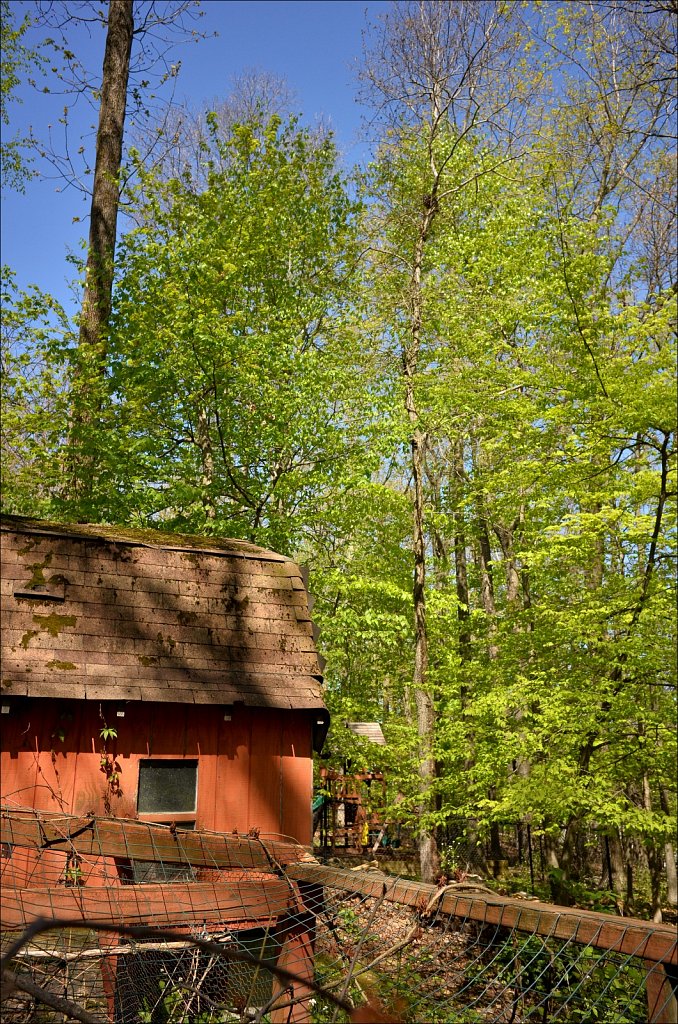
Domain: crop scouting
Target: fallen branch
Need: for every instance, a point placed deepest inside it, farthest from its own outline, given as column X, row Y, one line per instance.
column 15, row 982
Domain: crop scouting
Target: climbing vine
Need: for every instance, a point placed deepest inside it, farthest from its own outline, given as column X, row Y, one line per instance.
column 108, row 763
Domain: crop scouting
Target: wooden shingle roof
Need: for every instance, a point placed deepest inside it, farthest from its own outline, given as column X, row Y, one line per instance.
column 109, row 613
column 369, row 730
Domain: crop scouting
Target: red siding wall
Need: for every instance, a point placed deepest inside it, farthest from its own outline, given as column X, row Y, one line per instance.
column 254, row 771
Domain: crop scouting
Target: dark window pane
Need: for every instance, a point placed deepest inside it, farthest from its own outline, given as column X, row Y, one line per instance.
column 156, row 871
column 167, row 786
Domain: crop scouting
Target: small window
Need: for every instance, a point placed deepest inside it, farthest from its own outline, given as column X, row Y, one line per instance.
column 167, row 787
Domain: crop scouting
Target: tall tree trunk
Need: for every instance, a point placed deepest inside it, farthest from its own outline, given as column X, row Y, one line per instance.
column 96, row 304
column 431, row 75
column 616, row 865
column 654, row 859
column 204, row 443
column 484, row 561
column 465, row 637
column 669, row 854
column 461, row 567
column 513, row 582
column 423, row 696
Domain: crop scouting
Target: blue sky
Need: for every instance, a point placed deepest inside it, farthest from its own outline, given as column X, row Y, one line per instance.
column 316, row 46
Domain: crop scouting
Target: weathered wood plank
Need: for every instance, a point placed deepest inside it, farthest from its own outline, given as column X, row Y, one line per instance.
column 201, row 626
column 626, row 935
column 120, row 540
column 211, row 599
column 662, row 1005
column 268, row 647
column 78, row 571
column 98, row 688
column 156, row 905
column 114, row 837
column 141, row 634
column 50, row 662
column 125, row 650
column 240, row 684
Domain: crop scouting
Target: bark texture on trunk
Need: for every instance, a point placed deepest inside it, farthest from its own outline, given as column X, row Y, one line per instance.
column 423, row 696
column 669, row 854
column 461, row 568
column 484, row 562
column 97, row 298
column 96, row 306
column 505, row 537
column 653, row 853
column 204, row 442
column 616, row 866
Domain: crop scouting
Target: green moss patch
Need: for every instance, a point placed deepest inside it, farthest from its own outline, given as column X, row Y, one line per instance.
column 54, row 623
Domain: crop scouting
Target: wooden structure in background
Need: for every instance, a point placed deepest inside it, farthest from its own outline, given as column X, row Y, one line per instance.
column 351, row 816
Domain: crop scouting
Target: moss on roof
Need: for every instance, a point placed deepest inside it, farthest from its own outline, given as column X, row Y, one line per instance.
column 140, row 538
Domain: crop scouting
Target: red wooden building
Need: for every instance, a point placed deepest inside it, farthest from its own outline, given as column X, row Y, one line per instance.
column 171, row 680
column 156, row 676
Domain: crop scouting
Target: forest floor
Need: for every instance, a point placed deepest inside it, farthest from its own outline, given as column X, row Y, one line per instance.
column 418, row 971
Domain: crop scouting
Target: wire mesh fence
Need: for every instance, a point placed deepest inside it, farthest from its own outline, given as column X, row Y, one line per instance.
column 217, row 928
column 450, row 958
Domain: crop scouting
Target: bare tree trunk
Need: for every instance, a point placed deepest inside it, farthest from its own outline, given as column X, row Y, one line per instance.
column 423, row 696
column 96, row 304
column 654, row 859
column 461, row 567
column 484, row 561
column 513, row 587
column 617, row 865
column 207, row 458
column 669, row 854
column 556, row 873
column 485, row 567
column 550, row 848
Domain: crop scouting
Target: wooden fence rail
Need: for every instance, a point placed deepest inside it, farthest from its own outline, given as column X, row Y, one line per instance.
column 90, row 836
column 264, row 880
column 655, row 944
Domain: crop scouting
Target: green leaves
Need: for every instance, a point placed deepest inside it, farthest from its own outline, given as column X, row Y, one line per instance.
column 235, row 382
column 257, row 384
column 36, row 337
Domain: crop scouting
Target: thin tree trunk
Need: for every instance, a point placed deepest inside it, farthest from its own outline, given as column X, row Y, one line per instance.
column 461, row 568
column 207, row 459
column 669, row 854
column 484, row 562
column 654, row 859
column 505, row 538
column 423, row 697
column 465, row 637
